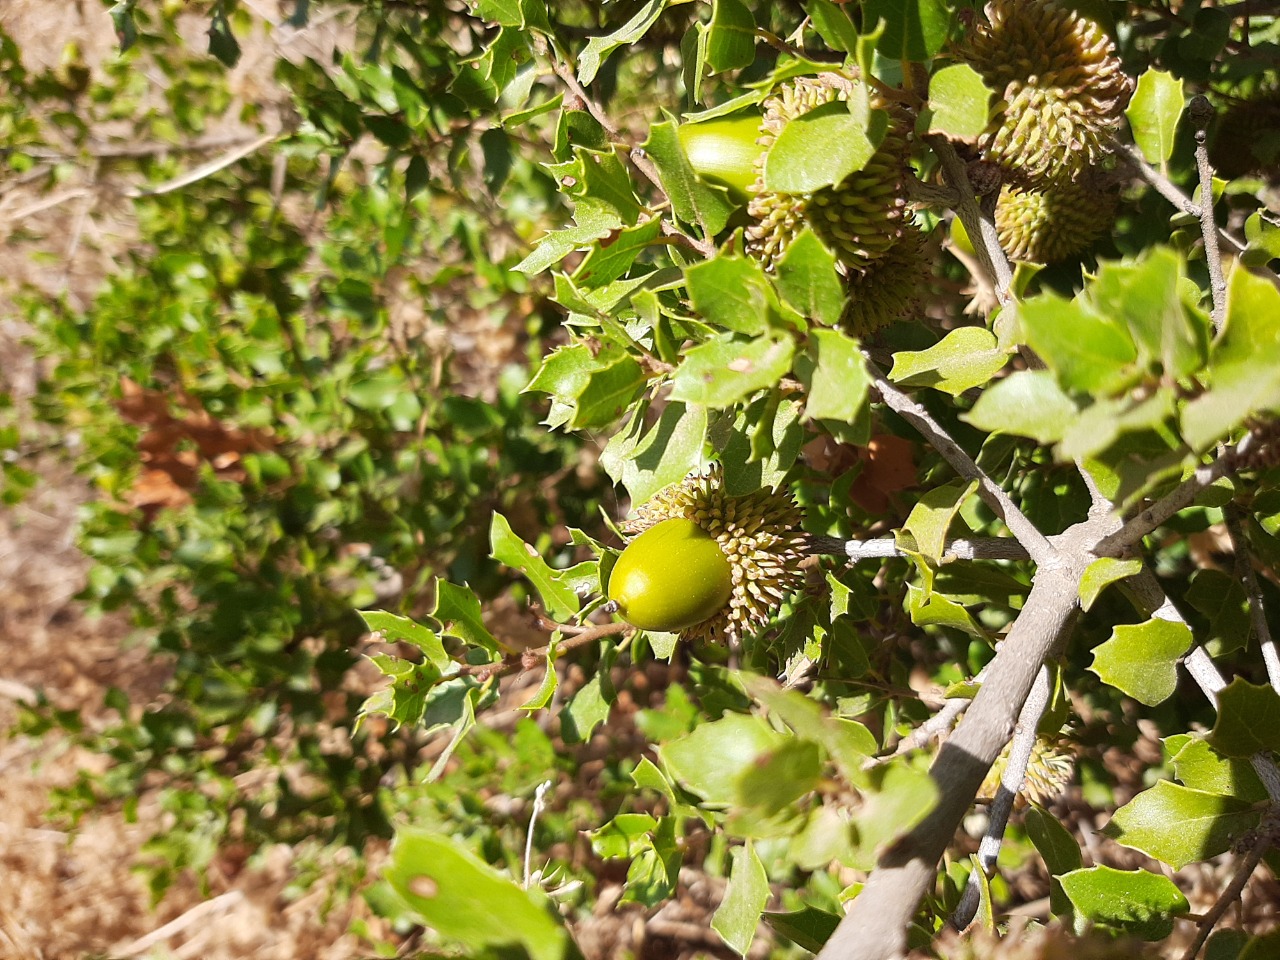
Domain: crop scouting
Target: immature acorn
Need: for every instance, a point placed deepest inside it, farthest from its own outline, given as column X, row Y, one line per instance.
column 1044, row 226
column 724, row 150
column 1062, row 86
column 668, row 578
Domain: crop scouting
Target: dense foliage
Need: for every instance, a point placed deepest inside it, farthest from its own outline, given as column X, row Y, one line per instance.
column 283, row 401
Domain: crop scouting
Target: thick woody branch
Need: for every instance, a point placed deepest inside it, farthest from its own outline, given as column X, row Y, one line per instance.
column 1038, row 548
column 978, row 548
column 875, row 927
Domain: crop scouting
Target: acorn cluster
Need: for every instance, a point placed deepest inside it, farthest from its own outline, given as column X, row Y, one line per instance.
column 1063, row 94
column 757, row 535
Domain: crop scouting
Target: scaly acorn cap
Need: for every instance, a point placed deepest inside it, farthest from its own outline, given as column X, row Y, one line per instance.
column 760, row 534
column 1044, row 226
column 859, row 218
column 1063, row 88
column 1048, row 772
column 889, row 289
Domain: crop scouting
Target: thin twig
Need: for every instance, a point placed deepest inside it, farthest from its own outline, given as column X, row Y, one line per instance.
column 978, row 548
column 1234, row 515
column 205, row 169
column 200, row 912
column 527, row 660
column 1201, row 113
column 1015, row 774
column 1166, row 188
column 1229, row 896
column 1179, row 498
column 1037, row 546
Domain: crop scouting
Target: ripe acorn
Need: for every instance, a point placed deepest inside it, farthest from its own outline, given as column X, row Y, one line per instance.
column 724, row 151
column 670, row 577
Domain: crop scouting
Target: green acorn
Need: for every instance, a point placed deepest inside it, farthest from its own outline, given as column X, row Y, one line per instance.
column 1063, row 89
column 891, row 288
column 861, row 217
column 724, row 151
column 1044, row 226
column 758, row 535
column 670, row 577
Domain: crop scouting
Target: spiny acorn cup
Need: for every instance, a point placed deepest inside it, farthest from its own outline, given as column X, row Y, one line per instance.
column 890, row 289
column 1063, row 88
column 672, row 581
column 1045, row 226
column 861, row 217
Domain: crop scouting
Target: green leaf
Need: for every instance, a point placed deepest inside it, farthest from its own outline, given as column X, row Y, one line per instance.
column 808, row 280
column 1028, row 403
column 724, row 370
column 934, row 609
column 1221, row 598
column 834, row 26
column 931, row 517
column 590, row 706
column 558, row 244
column 731, row 36
column 1264, row 241
column 1248, row 719
column 611, row 257
column 405, row 701
column 623, row 836
column 558, row 598
column 550, row 681
column 1177, row 825
column 900, row 795
column 458, row 895
column 1200, row 767
column 598, row 49
column 821, row 148
column 612, row 384
column 712, row 759
column 739, row 912
column 398, row 629
column 1227, row 945
column 959, row 102
column 458, row 610
column 693, row 200
column 809, row 928
column 838, row 385
column 914, row 30
column 222, row 42
column 765, row 421
column 663, row 455
column 1141, row 659
column 1102, row 573
column 966, row 357
column 1153, row 114
column 1053, row 841
column 731, row 292
column 1087, row 352
column 1138, row 902
column 1100, row 426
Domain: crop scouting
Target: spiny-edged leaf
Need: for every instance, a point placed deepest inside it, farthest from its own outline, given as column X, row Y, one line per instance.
column 598, row 49
column 590, row 706
column 693, row 200
column 458, row 700
column 1054, row 842
column 712, row 759
column 1028, row 403
column 768, row 421
column 612, row 256
column 1141, row 659
column 834, row 26
column 513, row 13
column 731, row 36
column 931, row 517
column 1238, row 392
column 1200, row 767
column 558, row 598
column 900, row 794
column 739, row 912
column 612, row 383
column 645, row 462
column 1102, row 573
column 558, row 244
column 838, row 384
column 731, row 292
column 550, row 680
column 808, row 280
column 1153, row 113
column 458, row 610
column 481, row 79
column 1085, row 351
column 724, row 370
column 914, row 30
column 934, row 609
column 1248, row 719
column 847, row 742
column 1145, row 297
column 1221, row 598
column 458, row 895
column 965, row 358
column 821, row 148
column 396, row 629
column 1137, row 902
column 1101, row 425
column 959, row 102
column 808, row 929
column 623, row 836
column 405, row 701
column 1177, row 825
